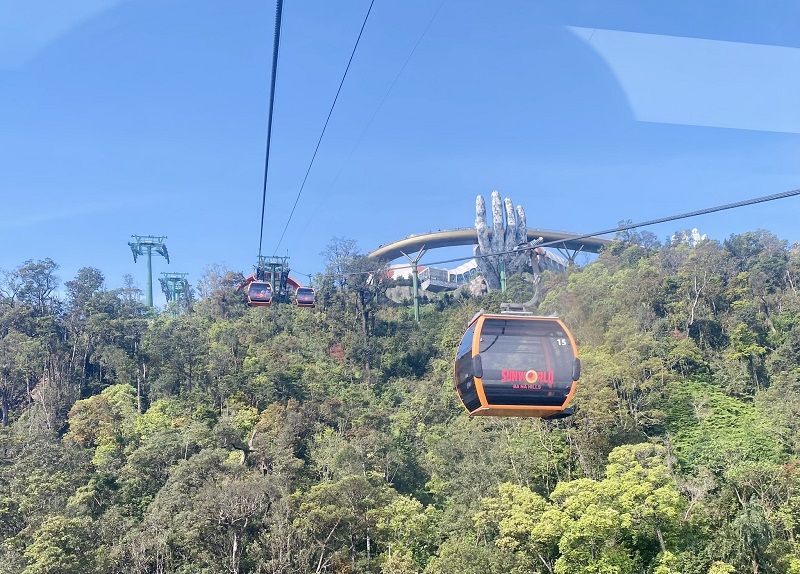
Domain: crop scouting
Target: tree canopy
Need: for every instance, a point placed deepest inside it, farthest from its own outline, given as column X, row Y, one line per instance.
column 330, row 440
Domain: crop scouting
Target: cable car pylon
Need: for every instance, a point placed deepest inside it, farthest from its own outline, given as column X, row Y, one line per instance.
column 145, row 245
column 271, row 283
column 415, row 279
column 177, row 291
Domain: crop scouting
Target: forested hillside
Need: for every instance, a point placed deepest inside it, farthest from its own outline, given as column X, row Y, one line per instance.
column 290, row 440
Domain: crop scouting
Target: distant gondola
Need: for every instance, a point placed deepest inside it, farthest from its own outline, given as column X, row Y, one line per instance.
column 517, row 365
column 259, row 294
column 305, row 297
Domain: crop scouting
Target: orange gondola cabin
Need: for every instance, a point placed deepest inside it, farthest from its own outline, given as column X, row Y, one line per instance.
column 259, row 294
column 517, row 365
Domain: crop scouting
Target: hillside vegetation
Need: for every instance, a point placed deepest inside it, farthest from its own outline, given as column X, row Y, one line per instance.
column 289, row 440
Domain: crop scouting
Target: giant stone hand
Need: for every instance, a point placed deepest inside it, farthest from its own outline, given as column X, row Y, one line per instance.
column 507, row 233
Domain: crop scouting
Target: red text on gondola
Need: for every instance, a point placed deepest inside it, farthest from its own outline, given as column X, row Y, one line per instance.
column 509, row 376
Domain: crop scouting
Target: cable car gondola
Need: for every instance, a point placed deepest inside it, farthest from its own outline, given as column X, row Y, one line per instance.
column 517, row 365
column 305, row 297
column 259, row 294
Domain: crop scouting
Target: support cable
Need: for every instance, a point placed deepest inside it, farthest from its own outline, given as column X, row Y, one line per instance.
column 525, row 247
column 302, row 186
column 275, row 46
column 705, row 211
column 380, row 105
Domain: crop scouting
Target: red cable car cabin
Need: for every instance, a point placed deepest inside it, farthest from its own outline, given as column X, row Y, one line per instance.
column 517, row 365
column 305, row 297
column 259, row 294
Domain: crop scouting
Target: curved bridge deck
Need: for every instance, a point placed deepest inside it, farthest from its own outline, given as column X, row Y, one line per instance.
column 468, row 236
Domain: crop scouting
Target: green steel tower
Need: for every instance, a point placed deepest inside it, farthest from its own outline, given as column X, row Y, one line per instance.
column 145, row 245
column 177, row 291
column 415, row 279
column 274, row 270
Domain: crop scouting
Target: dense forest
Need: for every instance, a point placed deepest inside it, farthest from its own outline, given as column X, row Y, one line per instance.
column 286, row 440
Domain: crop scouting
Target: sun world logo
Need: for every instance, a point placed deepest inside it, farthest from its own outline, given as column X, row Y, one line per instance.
column 509, row 376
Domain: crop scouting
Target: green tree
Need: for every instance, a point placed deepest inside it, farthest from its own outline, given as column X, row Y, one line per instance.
column 38, row 283
column 63, row 545
column 340, row 518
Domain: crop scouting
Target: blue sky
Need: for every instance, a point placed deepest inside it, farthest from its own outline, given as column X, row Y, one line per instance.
column 124, row 117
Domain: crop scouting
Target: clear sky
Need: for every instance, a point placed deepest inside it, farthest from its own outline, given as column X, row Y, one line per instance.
column 121, row 117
